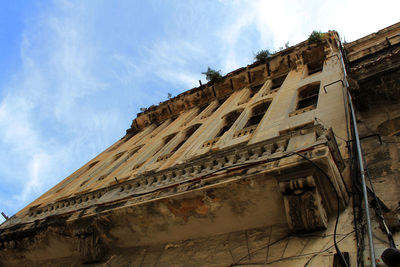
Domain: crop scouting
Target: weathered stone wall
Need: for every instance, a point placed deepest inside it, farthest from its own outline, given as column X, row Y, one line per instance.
column 373, row 63
column 165, row 195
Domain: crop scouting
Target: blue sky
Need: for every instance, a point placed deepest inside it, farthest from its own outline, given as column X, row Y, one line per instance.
column 73, row 74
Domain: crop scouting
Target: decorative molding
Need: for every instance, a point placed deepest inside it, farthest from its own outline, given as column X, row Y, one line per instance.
column 152, row 184
column 303, row 204
column 245, row 131
column 211, row 142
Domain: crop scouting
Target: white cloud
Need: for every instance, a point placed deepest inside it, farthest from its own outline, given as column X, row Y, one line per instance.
column 278, row 22
column 50, row 123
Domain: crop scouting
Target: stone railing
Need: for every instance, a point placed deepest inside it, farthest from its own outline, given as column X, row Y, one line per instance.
column 164, row 157
column 211, row 142
column 198, row 167
column 245, row 131
column 302, row 110
column 270, row 92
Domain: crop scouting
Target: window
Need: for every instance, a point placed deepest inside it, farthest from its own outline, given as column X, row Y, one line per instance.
column 200, row 110
column 257, row 114
column 92, row 164
column 277, row 82
column 308, row 96
column 220, row 102
column 133, row 151
column 315, row 67
column 230, row 119
column 188, row 133
column 166, row 140
column 254, row 90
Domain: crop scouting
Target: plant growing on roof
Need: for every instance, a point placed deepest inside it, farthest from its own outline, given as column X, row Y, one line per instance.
column 213, row 76
column 315, row 37
column 262, row 55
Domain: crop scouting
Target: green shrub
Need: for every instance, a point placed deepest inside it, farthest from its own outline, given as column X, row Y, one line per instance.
column 315, row 37
column 262, row 55
column 213, row 76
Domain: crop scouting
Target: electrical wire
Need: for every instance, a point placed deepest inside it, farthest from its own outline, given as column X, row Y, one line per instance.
column 333, row 187
column 378, row 208
column 338, row 205
column 312, row 254
column 237, row 166
column 318, row 120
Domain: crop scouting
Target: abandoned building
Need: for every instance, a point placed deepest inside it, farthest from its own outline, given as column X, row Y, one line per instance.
column 261, row 169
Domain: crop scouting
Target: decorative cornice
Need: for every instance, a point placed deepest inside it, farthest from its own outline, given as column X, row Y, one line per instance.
column 202, row 166
column 277, row 65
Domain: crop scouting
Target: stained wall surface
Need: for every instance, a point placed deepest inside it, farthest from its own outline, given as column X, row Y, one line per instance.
column 249, row 171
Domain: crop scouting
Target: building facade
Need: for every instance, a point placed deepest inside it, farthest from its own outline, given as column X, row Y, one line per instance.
column 253, row 170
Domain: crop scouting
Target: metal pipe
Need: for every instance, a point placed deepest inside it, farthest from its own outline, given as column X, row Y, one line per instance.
column 331, row 84
column 363, row 184
column 360, row 162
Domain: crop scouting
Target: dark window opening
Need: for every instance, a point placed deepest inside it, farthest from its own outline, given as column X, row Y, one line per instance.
column 191, row 130
column 254, row 90
column 220, row 102
column 117, row 156
column 257, row 114
column 178, row 146
column 173, row 118
column 92, row 164
column 188, row 133
column 308, row 97
column 201, row 109
column 229, row 121
column 315, row 67
column 134, row 151
column 215, row 108
column 112, row 148
column 168, row 138
column 166, row 141
column 277, row 82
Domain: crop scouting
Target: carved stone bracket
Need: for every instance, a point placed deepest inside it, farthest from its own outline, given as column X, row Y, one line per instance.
column 91, row 245
column 303, row 204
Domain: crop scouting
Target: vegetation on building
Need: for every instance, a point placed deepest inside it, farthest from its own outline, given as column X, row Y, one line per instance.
column 315, row 37
column 213, row 76
column 262, row 55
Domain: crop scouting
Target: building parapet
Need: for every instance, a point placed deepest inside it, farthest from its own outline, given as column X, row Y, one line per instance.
column 277, row 66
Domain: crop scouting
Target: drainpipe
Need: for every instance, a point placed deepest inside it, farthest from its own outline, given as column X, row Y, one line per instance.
column 360, row 164
column 364, row 187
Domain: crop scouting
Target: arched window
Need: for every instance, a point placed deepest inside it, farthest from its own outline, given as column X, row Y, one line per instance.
column 168, row 138
column 308, row 96
column 229, row 120
column 257, row 113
